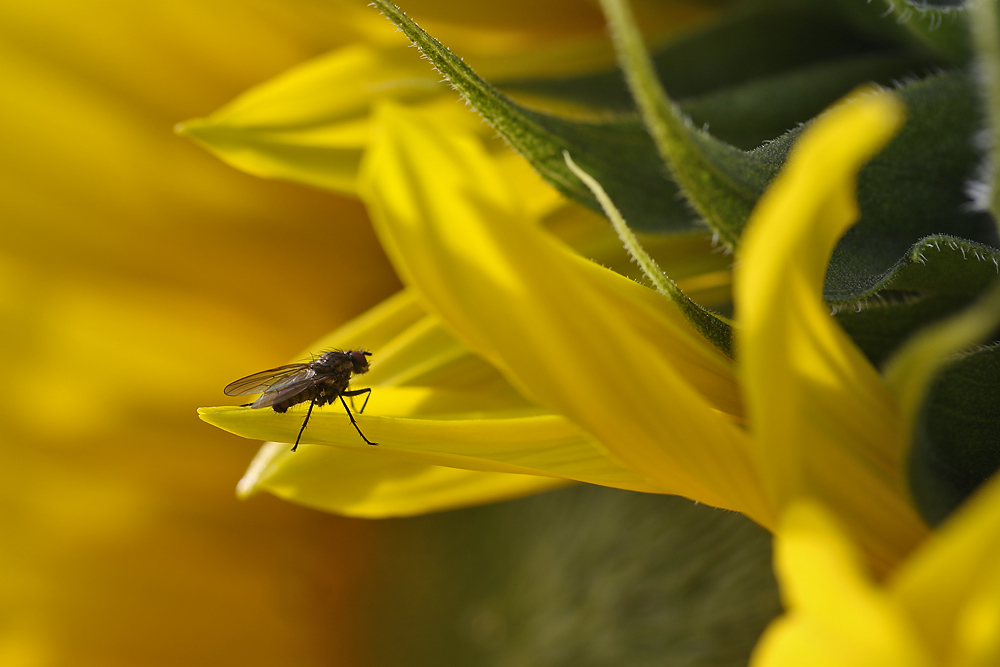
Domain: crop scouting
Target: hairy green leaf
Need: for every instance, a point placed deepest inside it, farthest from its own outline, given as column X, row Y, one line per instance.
column 957, row 443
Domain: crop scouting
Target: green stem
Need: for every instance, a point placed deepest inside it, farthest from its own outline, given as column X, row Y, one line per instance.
column 714, row 327
column 717, row 197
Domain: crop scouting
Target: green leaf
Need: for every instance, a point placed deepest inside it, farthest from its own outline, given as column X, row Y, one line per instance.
column 747, row 115
column 881, row 327
column 914, row 189
column 751, row 112
column 756, row 43
column 942, row 264
column 760, row 40
column 617, row 154
column 719, row 182
column 937, row 277
column 908, row 194
column 939, row 25
column 957, row 441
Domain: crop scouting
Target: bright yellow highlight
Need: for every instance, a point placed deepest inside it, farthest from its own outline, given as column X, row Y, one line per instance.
column 940, row 607
column 824, row 425
column 837, row 615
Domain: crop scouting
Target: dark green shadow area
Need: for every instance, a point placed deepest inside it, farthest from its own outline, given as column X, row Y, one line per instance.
column 582, row 576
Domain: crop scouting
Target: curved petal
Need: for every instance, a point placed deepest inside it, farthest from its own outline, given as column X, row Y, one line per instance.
column 823, row 423
column 835, row 615
column 612, row 355
column 940, row 607
column 361, row 484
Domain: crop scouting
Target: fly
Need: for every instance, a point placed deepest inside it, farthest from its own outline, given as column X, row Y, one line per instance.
column 320, row 381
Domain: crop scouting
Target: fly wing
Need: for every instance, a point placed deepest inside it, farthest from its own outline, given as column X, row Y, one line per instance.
column 272, row 379
column 287, row 388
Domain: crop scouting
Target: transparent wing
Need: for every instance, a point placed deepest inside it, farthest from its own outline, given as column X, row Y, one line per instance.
column 290, row 389
column 270, row 380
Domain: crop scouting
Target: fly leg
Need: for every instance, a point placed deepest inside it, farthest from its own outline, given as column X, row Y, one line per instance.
column 358, row 392
column 308, row 414
column 356, row 428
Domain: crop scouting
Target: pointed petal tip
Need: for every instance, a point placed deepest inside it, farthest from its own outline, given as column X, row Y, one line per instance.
column 210, row 413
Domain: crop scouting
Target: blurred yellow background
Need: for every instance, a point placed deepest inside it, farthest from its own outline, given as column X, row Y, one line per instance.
column 139, row 275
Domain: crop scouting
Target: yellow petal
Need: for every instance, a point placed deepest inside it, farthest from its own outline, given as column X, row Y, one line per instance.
column 433, row 374
column 418, row 370
column 823, row 423
column 940, row 607
column 310, row 124
column 430, row 371
column 547, row 445
column 586, row 342
column 835, row 614
column 952, row 585
column 369, row 485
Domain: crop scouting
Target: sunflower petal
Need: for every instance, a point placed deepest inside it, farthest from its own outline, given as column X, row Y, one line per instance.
column 823, row 422
column 952, row 585
column 310, row 124
column 547, row 445
column 372, row 486
column 835, row 613
column 561, row 328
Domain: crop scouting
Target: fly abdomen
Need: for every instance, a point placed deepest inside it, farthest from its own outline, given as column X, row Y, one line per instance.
column 282, row 406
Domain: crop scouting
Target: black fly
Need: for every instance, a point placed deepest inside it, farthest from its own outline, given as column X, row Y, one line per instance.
column 321, row 381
